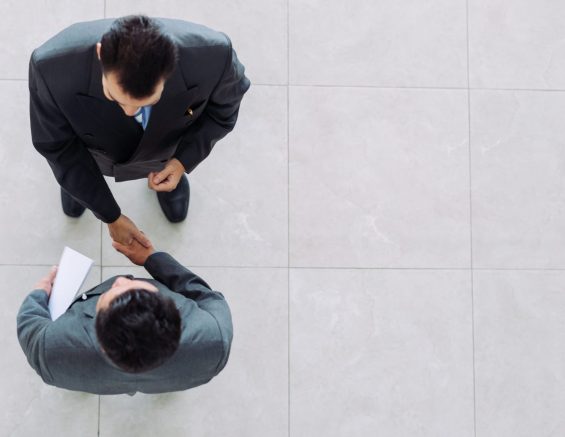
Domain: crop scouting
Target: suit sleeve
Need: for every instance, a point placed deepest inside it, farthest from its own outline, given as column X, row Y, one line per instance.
column 74, row 167
column 165, row 269
column 219, row 116
column 32, row 323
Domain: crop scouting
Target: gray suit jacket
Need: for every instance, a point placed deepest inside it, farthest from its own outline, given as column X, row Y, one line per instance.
column 66, row 353
column 83, row 135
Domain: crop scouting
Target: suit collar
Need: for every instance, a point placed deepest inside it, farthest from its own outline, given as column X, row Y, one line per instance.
column 173, row 85
column 95, row 86
column 90, row 310
column 90, row 329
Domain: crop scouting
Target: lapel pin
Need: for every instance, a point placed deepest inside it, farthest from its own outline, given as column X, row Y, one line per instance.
column 189, row 112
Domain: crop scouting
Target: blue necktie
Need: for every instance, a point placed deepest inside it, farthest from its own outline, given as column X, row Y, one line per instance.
column 145, row 113
column 142, row 116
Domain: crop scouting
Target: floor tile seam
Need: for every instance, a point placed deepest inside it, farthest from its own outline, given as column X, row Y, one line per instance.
column 99, row 408
column 475, row 269
column 100, row 279
column 288, row 214
column 249, row 267
column 195, row 266
column 471, row 274
column 439, row 88
column 378, row 87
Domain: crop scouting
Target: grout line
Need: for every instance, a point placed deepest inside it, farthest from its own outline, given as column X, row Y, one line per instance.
column 471, row 225
column 98, row 434
column 547, row 90
column 377, row 87
column 401, row 87
column 288, row 202
column 385, row 87
column 279, row 85
column 195, row 266
column 440, row 269
column 101, row 243
column 100, row 279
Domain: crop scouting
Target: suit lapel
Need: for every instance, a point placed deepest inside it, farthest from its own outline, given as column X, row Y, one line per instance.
column 108, row 113
column 166, row 115
column 90, row 310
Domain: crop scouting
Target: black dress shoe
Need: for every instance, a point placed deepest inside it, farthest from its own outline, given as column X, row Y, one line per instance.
column 70, row 206
column 175, row 203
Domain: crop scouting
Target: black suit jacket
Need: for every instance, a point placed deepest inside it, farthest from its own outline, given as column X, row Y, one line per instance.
column 83, row 135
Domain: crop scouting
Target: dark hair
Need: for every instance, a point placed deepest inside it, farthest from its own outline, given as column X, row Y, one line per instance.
column 135, row 49
column 139, row 330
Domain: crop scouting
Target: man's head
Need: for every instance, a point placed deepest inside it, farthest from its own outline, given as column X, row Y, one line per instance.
column 136, row 60
column 137, row 327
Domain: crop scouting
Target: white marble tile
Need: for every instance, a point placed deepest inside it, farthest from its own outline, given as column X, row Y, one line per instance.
column 29, row 24
column 28, row 406
column 386, row 352
column 520, row 353
column 518, row 162
column 33, row 227
column 257, row 28
column 378, row 43
column 238, row 205
column 517, row 44
column 379, row 178
column 250, row 396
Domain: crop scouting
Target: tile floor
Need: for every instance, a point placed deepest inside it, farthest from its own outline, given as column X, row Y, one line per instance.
column 387, row 222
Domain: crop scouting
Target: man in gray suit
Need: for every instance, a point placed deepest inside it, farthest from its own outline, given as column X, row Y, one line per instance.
column 131, row 98
column 130, row 335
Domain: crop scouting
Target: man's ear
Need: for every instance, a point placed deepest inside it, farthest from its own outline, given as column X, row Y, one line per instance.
column 98, row 48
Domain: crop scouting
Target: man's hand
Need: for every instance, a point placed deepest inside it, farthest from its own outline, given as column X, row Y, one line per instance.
column 168, row 178
column 136, row 253
column 46, row 283
column 125, row 232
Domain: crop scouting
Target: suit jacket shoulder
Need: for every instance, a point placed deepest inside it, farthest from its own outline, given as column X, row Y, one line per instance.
column 203, row 52
column 71, row 40
column 80, row 36
column 61, row 66
column 64, row 61
column 192, row 35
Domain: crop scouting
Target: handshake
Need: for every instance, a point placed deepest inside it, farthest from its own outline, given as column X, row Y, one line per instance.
column 130, row 241
column 127, row 237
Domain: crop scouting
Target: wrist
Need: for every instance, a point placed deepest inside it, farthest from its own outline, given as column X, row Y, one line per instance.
column 178, row 164
column 42, row 287
column 153, row 252
column 116, row 222
column 110, row 218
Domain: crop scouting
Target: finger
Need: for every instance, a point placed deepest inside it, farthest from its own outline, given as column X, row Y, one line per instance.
column 52, row 273
column 164, row 187
column 143, row 240
column 157, row 178
column 153, row 186
column 120, row 248
column 161, row 176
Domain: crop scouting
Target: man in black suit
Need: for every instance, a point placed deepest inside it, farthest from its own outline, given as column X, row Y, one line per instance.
column 131, row 98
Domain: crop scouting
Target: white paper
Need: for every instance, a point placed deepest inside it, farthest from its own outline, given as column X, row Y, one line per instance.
column 71, row 273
